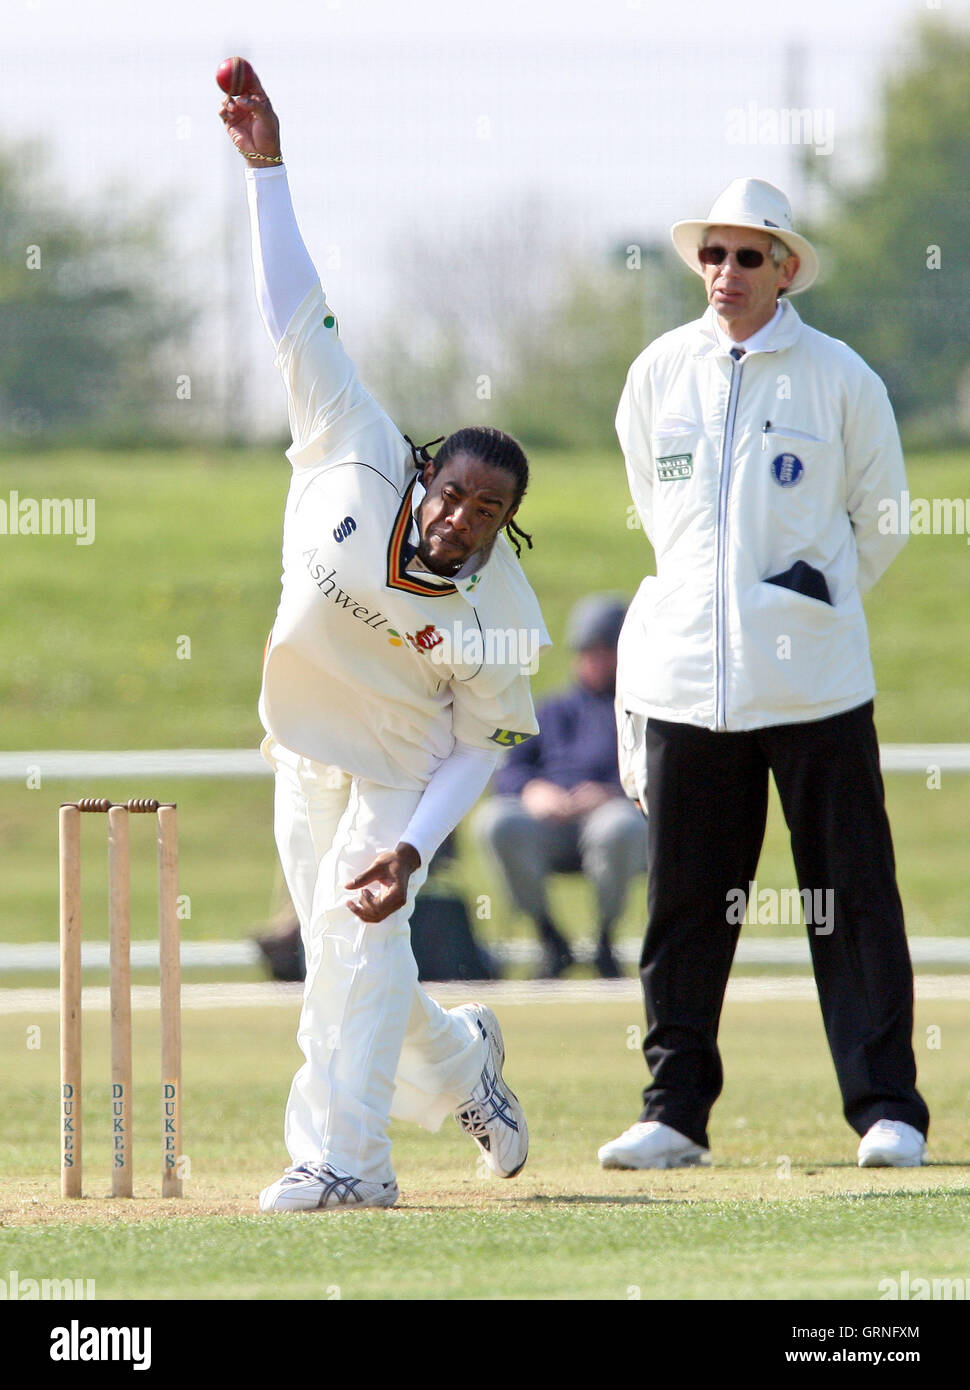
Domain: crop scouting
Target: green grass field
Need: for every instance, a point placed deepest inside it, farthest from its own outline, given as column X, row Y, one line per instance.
column 187, row 547
column 782, row 1213
column 152, row 638
column 229, row 870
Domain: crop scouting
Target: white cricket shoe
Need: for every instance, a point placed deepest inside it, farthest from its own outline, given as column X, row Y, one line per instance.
column 315, row 1187
column 650, row 1144
column 891, row 1144
column 492, row 1115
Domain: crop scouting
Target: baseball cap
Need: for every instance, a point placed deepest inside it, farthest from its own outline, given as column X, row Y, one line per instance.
column 595, row 621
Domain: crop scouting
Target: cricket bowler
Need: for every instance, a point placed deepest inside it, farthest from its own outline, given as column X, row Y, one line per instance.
column 387, row 699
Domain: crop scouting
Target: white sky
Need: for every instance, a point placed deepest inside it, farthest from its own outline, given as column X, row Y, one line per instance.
column 429, row 116
column 31, row 19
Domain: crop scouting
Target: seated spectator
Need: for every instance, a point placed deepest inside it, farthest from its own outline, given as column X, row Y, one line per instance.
column 559, row 805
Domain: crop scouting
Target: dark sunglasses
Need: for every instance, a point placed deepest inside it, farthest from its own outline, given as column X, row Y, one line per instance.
column 747, row 258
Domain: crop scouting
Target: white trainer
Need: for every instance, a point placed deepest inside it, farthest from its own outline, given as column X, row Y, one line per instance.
column 492, row 1115
column 892, row 1144
column 650, row 1144
column 315, row 1187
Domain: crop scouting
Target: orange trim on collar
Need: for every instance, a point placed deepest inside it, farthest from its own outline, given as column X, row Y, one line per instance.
column 397, row 576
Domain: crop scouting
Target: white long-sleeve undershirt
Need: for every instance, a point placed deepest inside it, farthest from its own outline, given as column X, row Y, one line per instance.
column 452, row 791
column 282, row 267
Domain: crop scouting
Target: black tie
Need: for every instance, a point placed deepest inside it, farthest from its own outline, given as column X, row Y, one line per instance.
column 737, row 353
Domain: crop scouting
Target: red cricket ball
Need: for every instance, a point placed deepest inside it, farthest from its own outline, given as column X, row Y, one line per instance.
column 235, row 76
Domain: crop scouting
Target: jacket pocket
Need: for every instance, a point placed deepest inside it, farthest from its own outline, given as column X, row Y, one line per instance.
column 673, row 445
column 803, row 579
column 664, row 656
column 791, row 653
column 675, row 424
column 770, row 433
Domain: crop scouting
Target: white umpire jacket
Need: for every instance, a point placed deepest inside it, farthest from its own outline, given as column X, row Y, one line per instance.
column 739, row 470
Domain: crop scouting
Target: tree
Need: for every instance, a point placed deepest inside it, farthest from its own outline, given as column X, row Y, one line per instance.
column 515, row 327
column 571, row 364
column 897, row 282
column 83, row 316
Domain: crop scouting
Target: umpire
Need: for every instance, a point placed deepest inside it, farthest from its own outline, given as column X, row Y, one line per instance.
column 758, row 451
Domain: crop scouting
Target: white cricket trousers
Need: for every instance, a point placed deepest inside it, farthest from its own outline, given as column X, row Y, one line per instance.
column 375, row 1044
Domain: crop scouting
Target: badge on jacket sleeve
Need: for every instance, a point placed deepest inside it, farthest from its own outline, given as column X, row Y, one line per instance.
column 787, row 469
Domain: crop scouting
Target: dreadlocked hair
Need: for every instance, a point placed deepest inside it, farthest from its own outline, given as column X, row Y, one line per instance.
column 419, row 452
column 496, row 449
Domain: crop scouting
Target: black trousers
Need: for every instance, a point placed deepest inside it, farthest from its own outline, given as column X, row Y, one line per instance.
column 708, row 800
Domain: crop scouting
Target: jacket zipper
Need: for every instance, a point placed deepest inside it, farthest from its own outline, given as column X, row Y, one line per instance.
column 727, row 449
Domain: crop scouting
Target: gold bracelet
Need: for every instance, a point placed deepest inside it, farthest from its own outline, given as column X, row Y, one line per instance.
column 267, row 158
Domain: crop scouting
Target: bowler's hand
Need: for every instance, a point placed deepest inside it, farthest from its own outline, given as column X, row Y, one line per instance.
column 252, row 124
column 392, row 870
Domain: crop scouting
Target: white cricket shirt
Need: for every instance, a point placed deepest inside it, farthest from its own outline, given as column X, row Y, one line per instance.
column 374, row 665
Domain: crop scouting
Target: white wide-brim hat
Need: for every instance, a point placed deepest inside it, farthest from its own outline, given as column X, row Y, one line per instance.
column 749, row 203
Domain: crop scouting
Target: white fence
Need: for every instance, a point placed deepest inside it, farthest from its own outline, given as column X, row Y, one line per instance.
column 246, row 762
